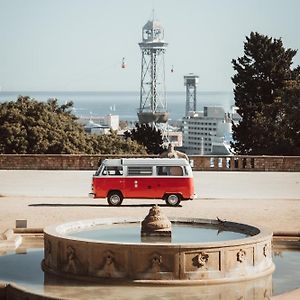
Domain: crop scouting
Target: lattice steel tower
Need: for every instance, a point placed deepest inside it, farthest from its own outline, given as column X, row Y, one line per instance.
column 191, row 81
column 153, row 104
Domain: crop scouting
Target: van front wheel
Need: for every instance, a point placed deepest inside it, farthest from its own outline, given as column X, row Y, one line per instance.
column 114, row 198
column 172, row 199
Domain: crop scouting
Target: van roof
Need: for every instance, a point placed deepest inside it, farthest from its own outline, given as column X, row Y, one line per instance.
column 146, row 161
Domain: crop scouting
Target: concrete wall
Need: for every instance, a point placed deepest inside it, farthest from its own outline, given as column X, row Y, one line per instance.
column 199, row 163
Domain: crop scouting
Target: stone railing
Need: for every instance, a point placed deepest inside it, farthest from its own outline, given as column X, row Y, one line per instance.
column 53, row 161
column 199, row 163
column 246, row 163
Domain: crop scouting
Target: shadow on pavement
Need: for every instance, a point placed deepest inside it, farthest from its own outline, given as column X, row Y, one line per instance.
column 96, row 205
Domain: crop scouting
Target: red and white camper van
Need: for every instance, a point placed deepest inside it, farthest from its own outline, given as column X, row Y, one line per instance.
column 170, row 179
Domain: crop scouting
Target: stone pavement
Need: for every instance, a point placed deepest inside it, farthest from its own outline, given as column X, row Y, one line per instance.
column 269, row 199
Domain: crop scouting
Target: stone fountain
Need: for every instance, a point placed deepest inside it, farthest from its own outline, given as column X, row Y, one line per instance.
column 156, row 258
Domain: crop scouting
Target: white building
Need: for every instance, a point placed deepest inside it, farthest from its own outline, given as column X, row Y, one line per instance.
column 175, row 138
column 94, row 128
column 100, row 125
column 112, row 121
column 207, row 132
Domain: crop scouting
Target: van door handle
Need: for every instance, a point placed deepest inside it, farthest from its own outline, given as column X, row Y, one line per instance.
column 149, row 187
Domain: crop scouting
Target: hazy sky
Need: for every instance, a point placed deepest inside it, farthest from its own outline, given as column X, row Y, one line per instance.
column 65, row 45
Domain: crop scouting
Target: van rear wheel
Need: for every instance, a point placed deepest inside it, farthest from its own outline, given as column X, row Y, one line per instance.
column 172, row 199
column 114, row 198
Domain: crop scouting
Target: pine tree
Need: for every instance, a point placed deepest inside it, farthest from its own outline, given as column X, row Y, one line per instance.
column 262, row 93
column 147, row 135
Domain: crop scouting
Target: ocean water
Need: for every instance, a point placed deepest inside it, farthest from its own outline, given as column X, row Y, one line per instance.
column 124, row 104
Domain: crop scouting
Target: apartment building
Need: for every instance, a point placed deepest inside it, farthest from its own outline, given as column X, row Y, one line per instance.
column 207, row 132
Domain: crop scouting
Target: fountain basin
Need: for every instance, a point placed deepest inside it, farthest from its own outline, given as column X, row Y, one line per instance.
column 158, row 262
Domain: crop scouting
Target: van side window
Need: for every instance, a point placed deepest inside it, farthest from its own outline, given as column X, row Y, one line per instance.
column 176, row 171
column 169, row 171
column 112, row 171
column 162, row 171
column 139, row 171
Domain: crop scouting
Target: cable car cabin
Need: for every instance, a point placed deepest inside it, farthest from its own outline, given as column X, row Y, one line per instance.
column 170, row 179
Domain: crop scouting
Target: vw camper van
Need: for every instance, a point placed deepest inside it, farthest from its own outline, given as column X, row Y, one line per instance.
column 169, row 179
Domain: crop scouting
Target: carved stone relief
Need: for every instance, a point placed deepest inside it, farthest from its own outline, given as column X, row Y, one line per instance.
column 266, row 250
column 156, row 269
column 156, row 263
column 72, row 263
column 241, row 256
column 109, row 268
column 200, row 260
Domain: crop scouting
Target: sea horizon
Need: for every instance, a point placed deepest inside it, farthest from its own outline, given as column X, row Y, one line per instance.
column 122, row 103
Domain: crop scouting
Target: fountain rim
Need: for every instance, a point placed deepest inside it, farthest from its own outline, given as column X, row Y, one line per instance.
column 63, row 229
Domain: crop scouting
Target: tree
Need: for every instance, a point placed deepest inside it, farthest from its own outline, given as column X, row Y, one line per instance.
column 263, row 93
column 30, row 126
column 113, row 144
column 287, row 125
column 147, row 135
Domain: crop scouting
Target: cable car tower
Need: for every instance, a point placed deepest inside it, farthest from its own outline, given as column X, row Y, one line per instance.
column 153, row 105
column 191, row 82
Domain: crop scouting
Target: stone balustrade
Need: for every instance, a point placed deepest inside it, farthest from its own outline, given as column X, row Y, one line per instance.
column 199, row 163
column 246, row 163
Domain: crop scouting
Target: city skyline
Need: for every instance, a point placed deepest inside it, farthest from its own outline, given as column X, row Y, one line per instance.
column 76, row 45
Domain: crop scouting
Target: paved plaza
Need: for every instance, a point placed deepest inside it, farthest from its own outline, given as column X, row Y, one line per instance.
column 269, row 199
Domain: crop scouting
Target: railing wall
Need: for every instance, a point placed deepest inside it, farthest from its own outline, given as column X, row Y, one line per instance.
column 246, row 163
column 199, row 163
